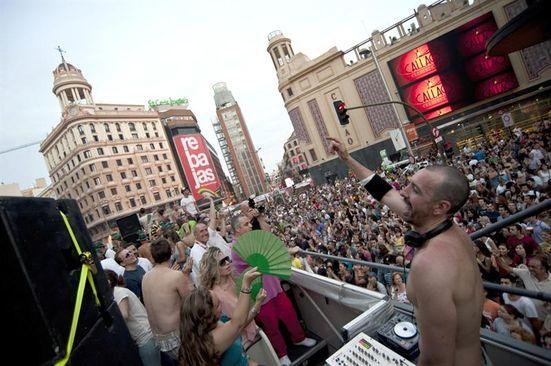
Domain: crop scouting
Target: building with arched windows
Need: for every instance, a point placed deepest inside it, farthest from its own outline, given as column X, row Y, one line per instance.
column 112, row 158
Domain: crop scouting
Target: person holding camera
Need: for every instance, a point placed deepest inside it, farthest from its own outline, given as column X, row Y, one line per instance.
column 255, row 215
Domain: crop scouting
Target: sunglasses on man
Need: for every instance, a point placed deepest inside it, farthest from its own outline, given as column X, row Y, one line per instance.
column 224, row 261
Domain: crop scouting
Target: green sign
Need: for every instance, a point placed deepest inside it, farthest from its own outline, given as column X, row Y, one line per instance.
column 169, row 101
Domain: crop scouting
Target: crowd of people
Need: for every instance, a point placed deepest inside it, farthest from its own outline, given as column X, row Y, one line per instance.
column 181, row 275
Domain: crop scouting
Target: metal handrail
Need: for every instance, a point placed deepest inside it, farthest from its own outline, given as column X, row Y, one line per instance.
column 519, row 216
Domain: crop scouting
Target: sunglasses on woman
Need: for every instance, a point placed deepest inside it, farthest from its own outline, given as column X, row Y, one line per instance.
column 224, row 261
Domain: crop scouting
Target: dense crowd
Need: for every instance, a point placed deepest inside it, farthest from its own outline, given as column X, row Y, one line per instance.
column 340, row 219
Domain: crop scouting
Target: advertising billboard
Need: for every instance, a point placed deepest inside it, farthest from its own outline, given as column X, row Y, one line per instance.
column 197, row 165
column 452, row 71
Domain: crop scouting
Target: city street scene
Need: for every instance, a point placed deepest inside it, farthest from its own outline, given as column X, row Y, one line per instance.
column 360, row 183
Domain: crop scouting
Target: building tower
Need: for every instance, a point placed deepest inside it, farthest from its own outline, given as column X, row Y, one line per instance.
column 70, row 87
column 237, row 144
column 280, row 51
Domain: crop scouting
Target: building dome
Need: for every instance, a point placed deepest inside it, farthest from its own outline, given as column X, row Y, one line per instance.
column 65, row 66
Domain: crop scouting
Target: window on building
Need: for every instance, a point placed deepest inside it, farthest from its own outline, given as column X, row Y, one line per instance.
column 106, row 210
column 295, row 143
column 147, row 135
column 109, row 177
column 109, row 137
column 152, row 182
column 160, row 169
column 161, row 145
column 101, row 194
column 157, row 196
column 154, row 126
column 313, row 154
column 92, row 167
column 168, row 193
column 156, row 157
column 123, row 175
column 144, row 126
column 172, row 178
column 106, row 127
column 130, row 161
column 125, row 148
column 144, row 158
column 121, row 137
column 148, row 171
column 96, row 138
column 97, row 181
column 83, row 140
column 143, row 200
column 289, row 92
column 115, row 150
column 138, row 186
column 164, row 156
column 104, row 164
column 92, row 128
column 156, row 134
column 113, row 191
column 80, row 130
column 134, row 173
column 118, row 206
column 168, row 167
column 132, row 126
column 119, row 162
column 87, row 154
column 118, row 127
column 127, row 188
column 139, row 147
column 132, row 202
column 134, row 135
column 152, row 146
column 163, row 179
column 292, row 153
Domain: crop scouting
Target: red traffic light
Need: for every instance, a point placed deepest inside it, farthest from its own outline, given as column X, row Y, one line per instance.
column 340, row 108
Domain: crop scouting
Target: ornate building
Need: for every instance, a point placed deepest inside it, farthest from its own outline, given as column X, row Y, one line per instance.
column 112, row 158
column 435, row 60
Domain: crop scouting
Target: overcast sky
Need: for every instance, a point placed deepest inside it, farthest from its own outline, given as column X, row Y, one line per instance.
column 131, row 51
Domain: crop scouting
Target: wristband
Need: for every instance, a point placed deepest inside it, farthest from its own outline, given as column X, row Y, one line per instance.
column 377, row 187
column 246, row 290
column 364, row 181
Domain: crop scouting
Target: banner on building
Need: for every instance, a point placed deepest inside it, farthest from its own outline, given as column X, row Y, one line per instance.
column 197, row 165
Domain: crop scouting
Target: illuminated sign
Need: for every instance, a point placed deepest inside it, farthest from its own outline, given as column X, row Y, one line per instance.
column 420, row 62
column 452, row 71
column 197, row 164
column 434, row 92
column 169, row 101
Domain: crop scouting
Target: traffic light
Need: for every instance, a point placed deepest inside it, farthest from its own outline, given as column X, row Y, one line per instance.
column 340, row 108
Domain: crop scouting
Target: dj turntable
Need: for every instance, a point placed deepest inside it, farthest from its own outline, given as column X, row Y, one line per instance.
column 401, row 335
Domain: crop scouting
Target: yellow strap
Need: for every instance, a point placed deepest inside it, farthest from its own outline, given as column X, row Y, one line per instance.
column 85, row 274
column 76, row 314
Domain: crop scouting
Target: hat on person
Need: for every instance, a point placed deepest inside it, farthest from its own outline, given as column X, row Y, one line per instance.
column 116, row 236
column 155, row 229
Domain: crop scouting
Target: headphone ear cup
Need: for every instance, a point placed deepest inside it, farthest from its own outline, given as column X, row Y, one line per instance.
column 414, row 239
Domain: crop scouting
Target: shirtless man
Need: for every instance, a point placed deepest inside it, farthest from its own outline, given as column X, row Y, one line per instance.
column 164, row 288
column 444, row 283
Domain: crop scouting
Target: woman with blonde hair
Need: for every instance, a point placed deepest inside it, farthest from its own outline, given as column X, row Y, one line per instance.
column 216, row 275
column 206, row 339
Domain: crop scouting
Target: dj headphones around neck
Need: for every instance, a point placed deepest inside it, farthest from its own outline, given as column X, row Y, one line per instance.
column 416, row 240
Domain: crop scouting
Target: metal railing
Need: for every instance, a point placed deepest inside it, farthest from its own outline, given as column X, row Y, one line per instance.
column 530, row 211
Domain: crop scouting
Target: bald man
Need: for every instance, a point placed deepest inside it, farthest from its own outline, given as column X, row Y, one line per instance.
column 444, row 283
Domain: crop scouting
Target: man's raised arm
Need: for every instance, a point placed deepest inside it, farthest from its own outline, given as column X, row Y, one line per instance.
column 391, row 198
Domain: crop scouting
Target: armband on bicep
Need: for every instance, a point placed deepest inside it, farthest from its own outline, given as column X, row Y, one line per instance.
column 377, row 187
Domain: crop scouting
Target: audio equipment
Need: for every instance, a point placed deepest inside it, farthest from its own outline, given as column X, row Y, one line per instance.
column 364, row 350
column 41, row 269
column 129, row 227
column 401, row 335
column 416, row 240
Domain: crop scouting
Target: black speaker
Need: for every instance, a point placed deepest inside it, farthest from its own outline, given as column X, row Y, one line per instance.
column 41, row 270
column 129, row 227
column 394, row 157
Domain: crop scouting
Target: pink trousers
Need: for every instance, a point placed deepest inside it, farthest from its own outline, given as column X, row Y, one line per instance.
column 280, row 308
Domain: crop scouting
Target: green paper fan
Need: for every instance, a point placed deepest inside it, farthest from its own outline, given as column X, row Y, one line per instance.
column 256, row 285
column 264, row 250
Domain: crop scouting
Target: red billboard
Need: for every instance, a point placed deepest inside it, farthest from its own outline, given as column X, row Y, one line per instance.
column 452, row 71
column 198, row 165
